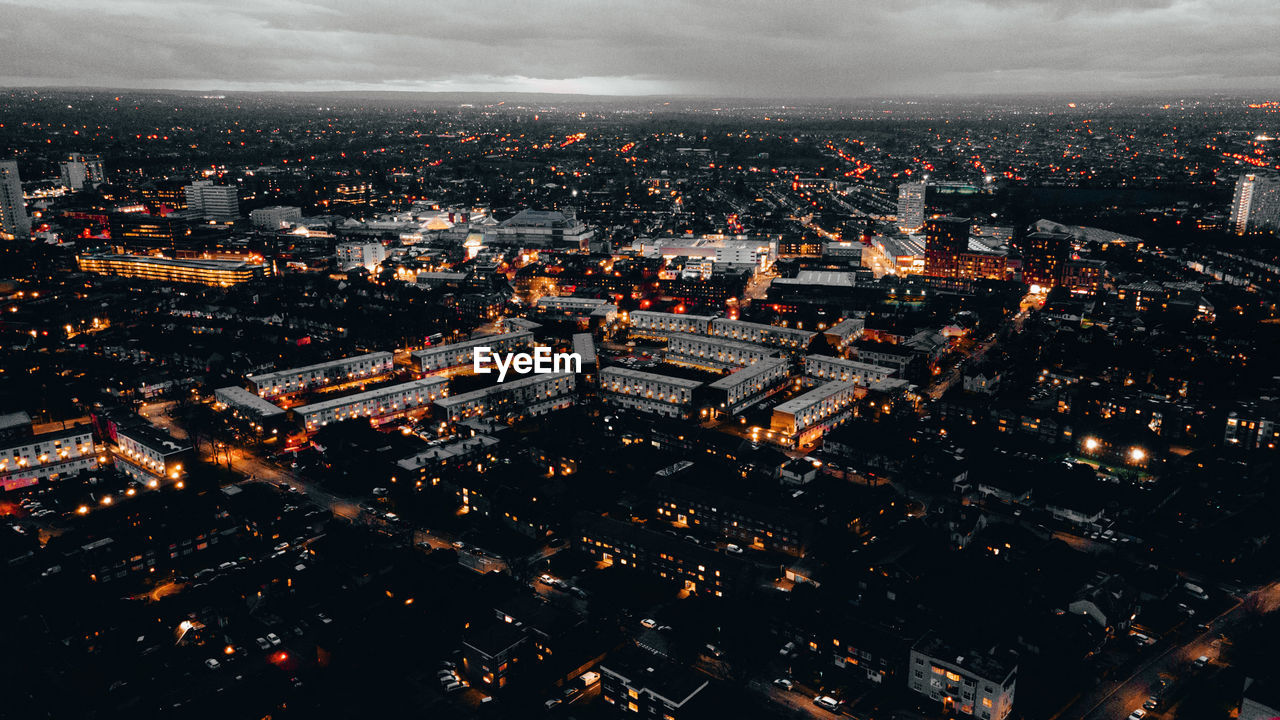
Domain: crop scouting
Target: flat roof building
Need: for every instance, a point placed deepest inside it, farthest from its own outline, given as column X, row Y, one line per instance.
column 647, row 323
column 527, row 396
column 440, row 358
column 969, row 682
column 647, row 392
column 243, row 401
column 713, row 353
column 834, row 368
column 772, row 335
column 734, row 392
column 331, row 372
column 803, row 419
column 378, row 403
column 149, row 267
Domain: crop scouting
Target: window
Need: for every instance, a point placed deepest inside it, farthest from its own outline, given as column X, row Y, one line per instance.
column 986, row 702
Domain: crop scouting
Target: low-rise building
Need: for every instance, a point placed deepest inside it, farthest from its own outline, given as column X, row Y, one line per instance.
column 738, row 390
column 460, row 355
column 367, row 255
column 147, row 453
column 692, row 567
column 803, row 419
column 713, row 353
column 245, row 403
column 221, row 273
column 833, row 368
column 639, row 682
column 647, row 323
column 845, row 332
column 772, row 335
column 374, row 404
column 969, row 682
column 528, row 396
column 329, row 373
column 648, row 392
column 27, row 457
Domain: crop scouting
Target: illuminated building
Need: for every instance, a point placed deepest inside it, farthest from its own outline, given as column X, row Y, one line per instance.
column 1255, row 208
column 646, row 323
column 1084, row 276
column 639, row 682
column 526, row 397
column 541, row 229
column 460, row 355
column 213, row 202
column 27, row 458
column 274, row 217
column 373, row 404
column 692, row 567
column 367, row 255
column 911, row 205
column 332, row 372
column 969, row 682
column 713, row 353
column 146, row 453
column 807, row 417
column 14, row 221
column 738, row 390
column 81, row 169
column 647, row 392
column 149, row 267
column 772, row 335
column 1044, row 258
column 950, row 254
column 243, row 402
column 834, row 368
column 844, row 332
column 140, row 231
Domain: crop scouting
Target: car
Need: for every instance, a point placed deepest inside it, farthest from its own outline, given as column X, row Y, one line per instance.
column 649, row 623
column 212, row 664
column 323, row 618
column 546, row 579
column 282, row 547
column 733, row 549
column 578, row 593
column 787, row 649
column 826, row 702
column 1137, row 714
column 441, row 675
column 551, row 703
column 569, row 692
column 455, row 686
column 663, row 628
column 1200, row 662
column 784, row 683
column 448, row 665
column 713, row 651
column 589, row 678
column 1152, row 703
column 263, row 643
column 273, row 638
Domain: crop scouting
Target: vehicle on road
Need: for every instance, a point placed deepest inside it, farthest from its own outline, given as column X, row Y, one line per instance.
column 1137, row 714
column 826, row 702
column 212, row 664
column 649, row 623
column 784, row 683
column 1200, row 662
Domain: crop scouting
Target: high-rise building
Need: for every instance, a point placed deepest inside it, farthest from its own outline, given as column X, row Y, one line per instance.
column 911, row 205
column 1044, row 258
column 213, row 202
column 1256, row 205
column 14, row 222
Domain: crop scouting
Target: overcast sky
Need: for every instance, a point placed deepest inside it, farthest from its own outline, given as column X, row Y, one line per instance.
column 722, row 48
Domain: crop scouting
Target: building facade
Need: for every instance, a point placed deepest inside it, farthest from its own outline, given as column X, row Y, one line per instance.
column 461, row 355
column 647, row 392
column 375, row 404
column 977, row 684
column 14, row 221
column 221, row 273
column 330, row 373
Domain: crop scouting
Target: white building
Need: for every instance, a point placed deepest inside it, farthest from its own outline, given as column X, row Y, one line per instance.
column 73, row 174
column 772, row 335
column 529, row 396
column 147, row 453
column 26, row 458
column 1255, row 208
column 243, row 402
column 911, row 205
column 834, row 368
column 541, row 229
column 378, row 403
column 14, row 221
column 213, row 202
column 974, row 683
column 576, row 307
column 712, row 352
column 440, row 358
column 805, row 418
column 735, row 391
column 367, row 255
column 275, row 217
column 735, row 252
column 647, row 392
column 647, row 323
column 844, row 332
column 332, row 372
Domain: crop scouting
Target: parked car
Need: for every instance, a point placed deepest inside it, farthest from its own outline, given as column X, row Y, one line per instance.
column 784, row 683
column 826, row 702
column 212, row 664
column 273, row 638
column 263, row 643
column 649, row 623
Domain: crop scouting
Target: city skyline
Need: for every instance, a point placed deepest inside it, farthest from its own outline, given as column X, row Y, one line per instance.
column 723, row 50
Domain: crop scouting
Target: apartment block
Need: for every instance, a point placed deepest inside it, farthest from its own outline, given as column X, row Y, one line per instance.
column 648, row 392
column 440, row 358
column 834, row 368
column 979, row 684
column 379, row 403
column 332, row 372
column 528, row 396
column 771, row 335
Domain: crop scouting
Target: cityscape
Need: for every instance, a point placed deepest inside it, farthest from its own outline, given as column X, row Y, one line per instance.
column 516, row 402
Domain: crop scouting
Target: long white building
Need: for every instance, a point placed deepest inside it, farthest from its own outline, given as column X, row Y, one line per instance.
column 648, row 323
column 834, row 368
column 805, row 418
column 647, row 392
column 733, row 392
column 530, row 395
column 772, row 335
column 712, row 352
column 440, row 358
column 333, row 372
column 26, row 458
column 243, row 402
column 377, row 403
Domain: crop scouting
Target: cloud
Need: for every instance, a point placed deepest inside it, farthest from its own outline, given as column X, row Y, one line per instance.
column 749, row 48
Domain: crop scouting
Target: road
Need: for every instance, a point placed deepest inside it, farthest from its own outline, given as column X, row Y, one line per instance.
column 1116, row 699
